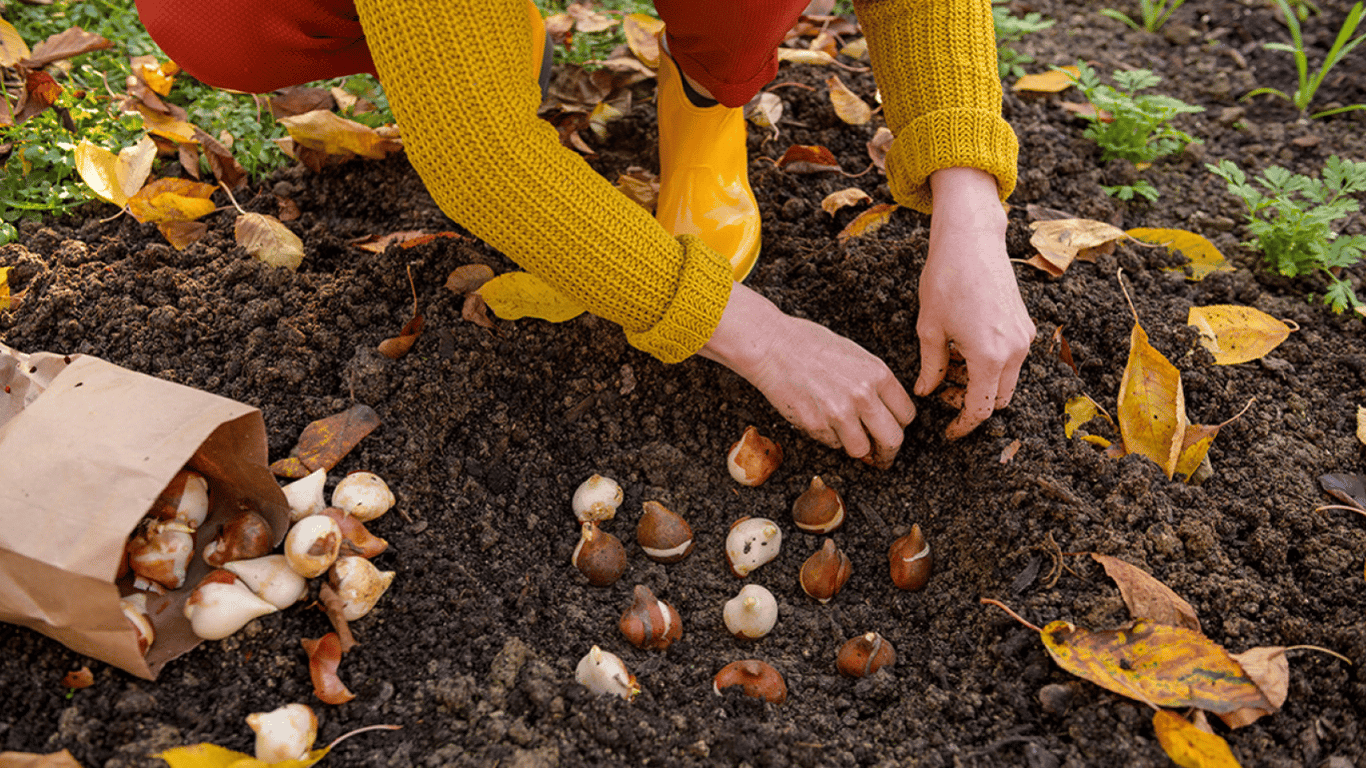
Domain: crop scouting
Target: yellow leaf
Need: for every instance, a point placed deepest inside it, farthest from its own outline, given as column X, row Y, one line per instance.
column 166, row 126
column 765, row 110
column 837, row 200
column 1096, row 440
column 641, row 35
column 602, row 114
column 1195, row 444
column 268, row 239
column 213, row 756
column 156, row 78
column 332, row 134
column 801, row 56
column 1060, row 241
column 868, row 222
column 1162, row 665
column 4, row 288
column 171, row 200
column 848, row 106
column 1204, row 257
column 1080, row 410
column 1188, row 746
column 1361, row 412
column 1236, row 334
column 115, row 178
column 519, row 294
column 1052, row 81
column 1152, row 405
column 13, row 49
column 1146, row 597
column 856, row 49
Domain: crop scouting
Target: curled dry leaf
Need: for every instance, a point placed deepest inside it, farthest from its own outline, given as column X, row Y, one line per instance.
column 1060, row 241
column 324, row 656
column 1269, row 668
column 268, row 239
column 879, row 145
column 848, row 106
column 1187, row 745
column 398, row 346
column 805, row 158
column 79, row 678
column 1236, row 334
column 224, row 166
column 802, row 56
column 641, row 186
column 1053, row 81
column 765, row 110
column 474, row 310
column 324, row 442
column 1204, row 257
column 171, row 200
column 868, row 222
column 845, row 197
column 468, row 278
column 1080, row 410
column 1152, row 404
column 1147, row 597
column 333, row 134
column 641, row 35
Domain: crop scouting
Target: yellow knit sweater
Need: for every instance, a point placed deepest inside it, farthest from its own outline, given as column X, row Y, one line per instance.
column 454, row 72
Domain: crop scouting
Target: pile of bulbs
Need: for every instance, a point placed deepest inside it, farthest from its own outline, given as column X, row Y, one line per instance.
column 249, row 581
column 652, row 624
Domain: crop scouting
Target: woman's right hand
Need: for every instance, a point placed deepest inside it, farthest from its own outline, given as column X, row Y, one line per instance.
column 832, row 389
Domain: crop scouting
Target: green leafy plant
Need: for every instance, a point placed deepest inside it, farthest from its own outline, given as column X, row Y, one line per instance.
column 1012, row 29
column 1154, row 13
column 1127, row 192
column 1309, row 83
column 1292, row 221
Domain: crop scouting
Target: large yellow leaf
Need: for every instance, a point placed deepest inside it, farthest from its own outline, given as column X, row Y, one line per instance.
column 1060, row 241
column 641, row 35
column 171, row 200
column 4, row 288
column 1204, row 257
column 848, row 106
column 213, row 756
column 115, row 178
column 868, row 222
column 1052, row 81
column 1236, row 334
column 1188, row 746
column 849, row 196
column 520, row 294
column 178, row 131
column 13, row 49
column 268, row 239
column 1152, row 405
column 1162, row 665
column 801, row 56
column 332, row 134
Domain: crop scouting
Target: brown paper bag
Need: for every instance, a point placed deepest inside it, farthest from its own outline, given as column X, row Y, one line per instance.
column 85, row 448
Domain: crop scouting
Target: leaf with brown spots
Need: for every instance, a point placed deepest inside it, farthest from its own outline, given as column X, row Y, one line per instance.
column 326, row 441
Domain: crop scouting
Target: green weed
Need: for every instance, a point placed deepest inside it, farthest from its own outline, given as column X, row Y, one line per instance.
column 1309, row 83
column 1154, row 14
column 1012, row 29
column 1292, row 221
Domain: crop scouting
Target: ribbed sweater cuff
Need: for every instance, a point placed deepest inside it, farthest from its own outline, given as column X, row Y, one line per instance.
column 691, row 318
column 949, row 138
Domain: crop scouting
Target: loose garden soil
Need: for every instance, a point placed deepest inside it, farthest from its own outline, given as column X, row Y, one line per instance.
column 486, row 434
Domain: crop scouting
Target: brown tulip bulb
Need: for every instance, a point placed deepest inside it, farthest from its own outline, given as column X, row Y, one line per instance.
column 650, row 623
column 599, row 555
column 819, row 509
column 356, row 538
column 755, row 678
column 864, row 655
column 910, row 560
column 665, row 537
column 753, row 458
column 245, row 535
column 824, row 574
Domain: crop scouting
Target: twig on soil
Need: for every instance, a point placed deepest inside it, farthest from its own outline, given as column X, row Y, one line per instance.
column 792, row 84
column 332, row 606
column 230, row 197
column 1013, row 615
column 1054, row 551
column 1355, row 509
column 349, row 734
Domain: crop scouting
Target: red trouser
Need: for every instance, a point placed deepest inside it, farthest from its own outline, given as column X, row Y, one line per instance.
column 727, row 46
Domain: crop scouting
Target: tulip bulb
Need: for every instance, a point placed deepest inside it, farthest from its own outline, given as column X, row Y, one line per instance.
column 819, row 509
column 160, row 553
column 752, row 613
column 284, row 734
column 359, row 584
column 824, row 574
column 599, row 555
column 135, row 611
column 756, row 679
column 663, row 534
column 245, row 535
column 752, row 541
column 605, row 673
column 312, row 545
column 271, row 578
column 305, row 495
column 221, row 605
column 650, row 623
column 864, row 655
column 910, row 560
column 363, row 495
column 753, row 458
column 596, row 499
column 185, row 500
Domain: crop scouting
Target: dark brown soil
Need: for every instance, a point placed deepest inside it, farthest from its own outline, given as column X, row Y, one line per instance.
column 485, row 435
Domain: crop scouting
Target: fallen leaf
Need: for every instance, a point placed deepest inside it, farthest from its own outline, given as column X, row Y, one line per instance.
column 868, row 222
column 1158, row 664
column 844, row 197
column 1361, row 412
column 802, row 56
column 333, row 134
column 468, row 278
column 642, row 32
column 1269, row 668
column 1064, row 349
column 298, row 99
column 324, row 656
column 63, row 759
column 1152, row 404
column 13, row 49
column 289, row 210
column 398, row 346
column 79, row 678
column 150, row 71
column 1080, row 410
column 1235, row 334
column 1061, row 241
column 381, row 243
column 1195, row 444
column 879, row 146
column 641, row 186
column 558, row 26
column 856, row 49
column 765, row 110
column 602, row 114
column 222, row 164
column 1052, row 81
column 115, row 178
column 42, row 93
column 268, row 239
column 848, row 106
column 1088, row 110
column 5, row 298
column 172, row 200
column 326, row 441
column 1147, row 597
column 808, row 158
column 71, row 42
column 1204, row 257
column 1188, row 746
column 588, row 20
column 207, row 755
column 169, row 127
column 183, row 234
column 515, row 295
column 1009, row 452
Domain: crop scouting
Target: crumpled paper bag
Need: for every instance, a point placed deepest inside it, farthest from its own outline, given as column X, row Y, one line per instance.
column 85, row 448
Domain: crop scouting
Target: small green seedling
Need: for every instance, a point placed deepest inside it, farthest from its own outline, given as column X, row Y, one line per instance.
column 1126, row 192
column 1292, row 222
column 1012, row 29
column 1309, row 84
column 1153, row 12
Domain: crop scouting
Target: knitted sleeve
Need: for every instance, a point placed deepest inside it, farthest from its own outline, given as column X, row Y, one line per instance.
column 935, row 63
column 454, row 72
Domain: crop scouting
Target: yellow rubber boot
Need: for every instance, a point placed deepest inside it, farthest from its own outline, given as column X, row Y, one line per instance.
column 704, row 175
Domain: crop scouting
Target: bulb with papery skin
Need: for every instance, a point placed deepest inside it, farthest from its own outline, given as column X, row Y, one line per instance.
column 363, row 495
column 134, row 608
column 359, row 584
column 284, row 734
column 753, row 458
column 596, row 499
column 243, row 536
column 185, row 500
column 159, row 553
column 605, row 673
column 752, row 613
column 221, row 604
column 751, row 542
column 312, row 545
column 306, row 496
column 271, row 578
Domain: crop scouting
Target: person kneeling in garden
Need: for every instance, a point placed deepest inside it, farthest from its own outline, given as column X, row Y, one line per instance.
column 464, row 81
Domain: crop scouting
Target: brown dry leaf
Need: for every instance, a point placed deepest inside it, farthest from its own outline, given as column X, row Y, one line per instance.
column 1064, row 349
column 476, row 311
column 1269, row 668
column 183, row 234
column 802, row 56
column 78, row 678
column 1204, row 257
column 289, row 210
column 641, row 186
column 42, row 92
column 171, row 200
column 641, row 35
column 329, row 133
column 1052, row 81
column 868, row 222
column 808, row 158
column 1088, row 110
column 1080, row 410
column 848, row 106
column 765, row 110
column 325, row 442
column 324, row 656
column 844, row 197
column 268, row 239
column 64, row 45
column 468, row 278
column 1009, row 452
column 224, row 166
column 398, row 346
column 1152, row 404
column 558, row 26
column 1188, row 746
column 879, row 145
column 515, row 295
column 63, row 759
column 188, row 154
column 298, row 99
column 1147, row 597
column 1060, row 241
column 588, row 20
column 1235, row 334
column 381, row 243
column 13, row 49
